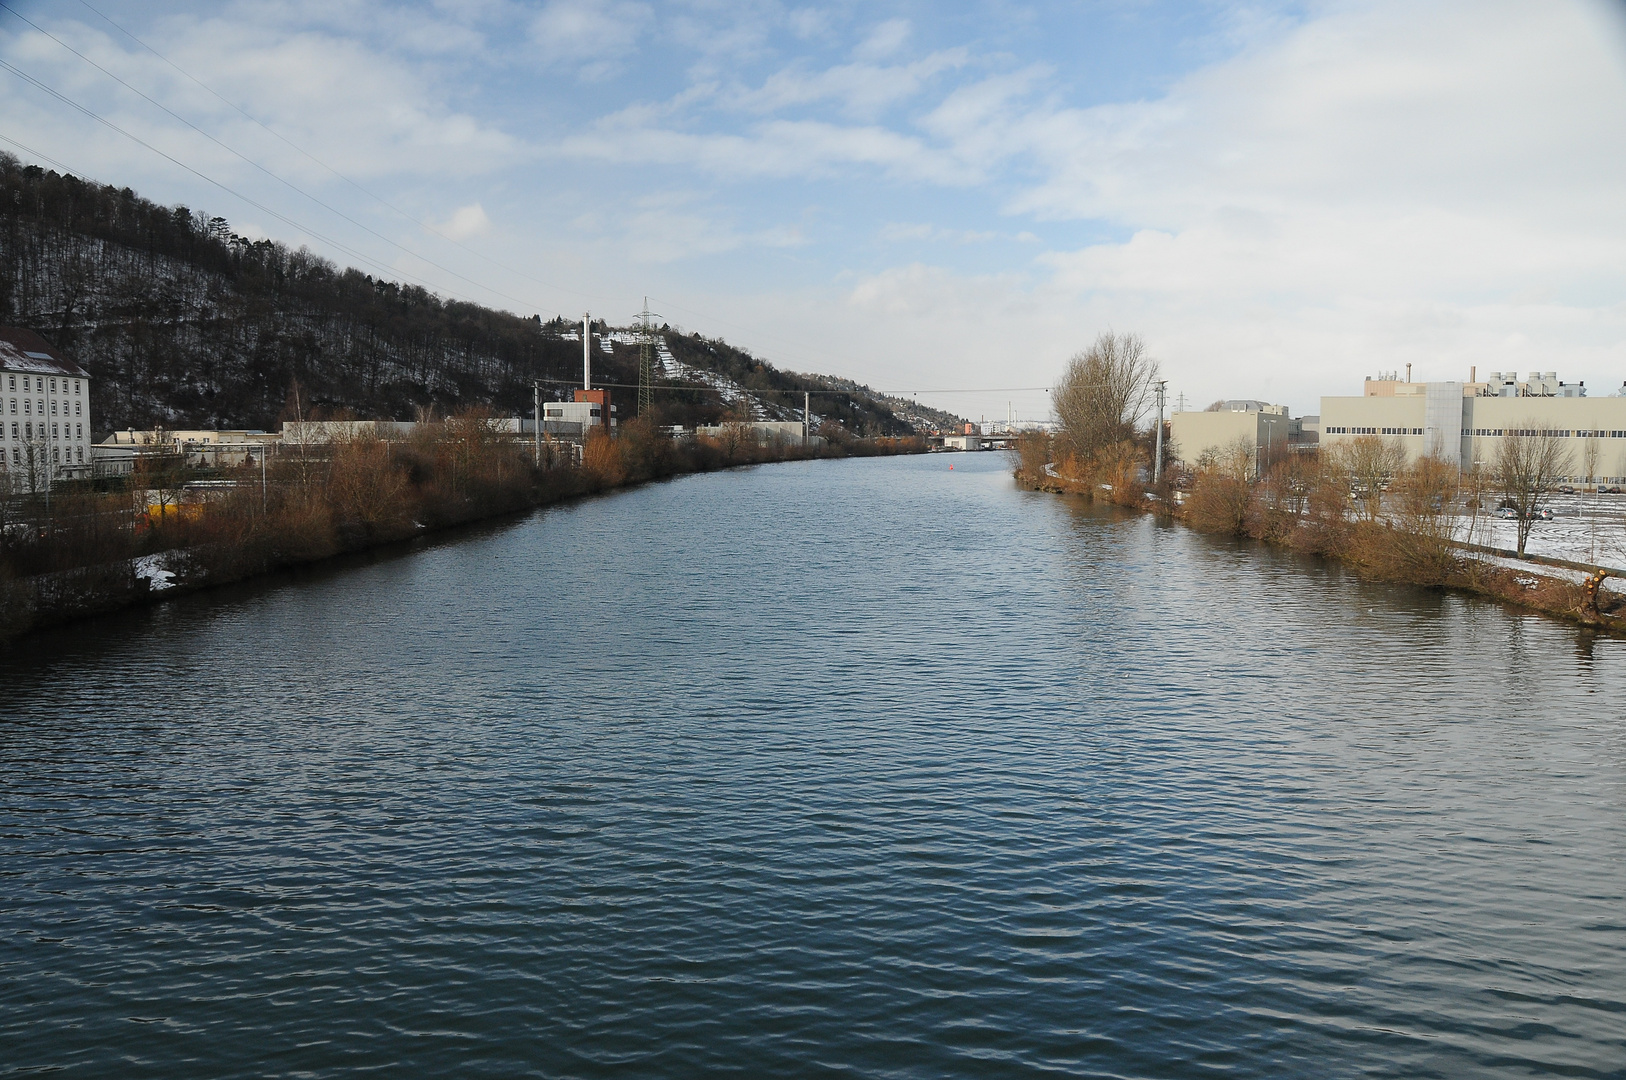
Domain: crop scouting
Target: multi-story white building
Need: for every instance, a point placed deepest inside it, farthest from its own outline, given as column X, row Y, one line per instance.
column 44, row 412
column 1464, row 422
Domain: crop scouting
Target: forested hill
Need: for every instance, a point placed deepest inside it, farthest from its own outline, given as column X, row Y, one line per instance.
column 184, row 324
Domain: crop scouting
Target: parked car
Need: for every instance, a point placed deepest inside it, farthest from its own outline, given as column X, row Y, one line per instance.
column 1542, row 514
column 1508, row 512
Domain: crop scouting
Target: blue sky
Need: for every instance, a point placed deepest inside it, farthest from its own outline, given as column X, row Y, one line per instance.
column 1281, row 198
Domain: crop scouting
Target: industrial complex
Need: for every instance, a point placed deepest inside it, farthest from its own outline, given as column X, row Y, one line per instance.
column 1457, row 422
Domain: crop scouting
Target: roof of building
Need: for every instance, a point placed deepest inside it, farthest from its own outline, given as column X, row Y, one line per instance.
column 24, row 350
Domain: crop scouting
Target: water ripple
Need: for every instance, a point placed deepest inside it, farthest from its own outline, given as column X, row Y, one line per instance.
column 842, row 769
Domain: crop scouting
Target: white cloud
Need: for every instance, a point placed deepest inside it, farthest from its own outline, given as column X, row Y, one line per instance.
column 359, row 110
column 903, row 232
column 808, row 23
column 599, row 36
column 778, row 148
column 465, row 222
column 675, row 226
column 861, row 89
column 884, row 40
column 1384, row 184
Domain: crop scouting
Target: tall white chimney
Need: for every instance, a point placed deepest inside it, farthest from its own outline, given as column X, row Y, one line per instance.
column 587, row 351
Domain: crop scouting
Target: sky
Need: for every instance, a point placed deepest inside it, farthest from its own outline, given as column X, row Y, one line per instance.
column 946, row 199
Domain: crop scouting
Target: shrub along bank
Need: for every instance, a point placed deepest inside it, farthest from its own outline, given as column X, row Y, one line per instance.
column 94, row 551
column 1397, row 524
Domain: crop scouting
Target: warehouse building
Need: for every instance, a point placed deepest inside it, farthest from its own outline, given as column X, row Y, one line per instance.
column 1267, row 430
column 1463, row 422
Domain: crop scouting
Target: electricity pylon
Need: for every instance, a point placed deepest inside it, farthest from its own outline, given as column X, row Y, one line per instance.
column 646, row 358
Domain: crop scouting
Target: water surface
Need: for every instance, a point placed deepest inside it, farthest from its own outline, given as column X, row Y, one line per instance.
column 867, row 768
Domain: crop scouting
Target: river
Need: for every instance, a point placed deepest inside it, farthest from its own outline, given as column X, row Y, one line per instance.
column 873, row 768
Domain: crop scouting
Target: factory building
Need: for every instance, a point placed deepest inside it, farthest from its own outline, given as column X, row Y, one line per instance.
column 1268, row 431
column 1463, row 422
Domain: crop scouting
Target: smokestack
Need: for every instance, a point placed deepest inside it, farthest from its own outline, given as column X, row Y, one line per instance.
column 1473, row 372
column 587, row 351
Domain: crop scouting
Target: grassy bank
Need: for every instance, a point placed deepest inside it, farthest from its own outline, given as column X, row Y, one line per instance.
column 1403, row 530
column 91, row 551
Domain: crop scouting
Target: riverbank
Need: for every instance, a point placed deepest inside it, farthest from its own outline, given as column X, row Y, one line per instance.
column 1311, row 522
column 93, row 553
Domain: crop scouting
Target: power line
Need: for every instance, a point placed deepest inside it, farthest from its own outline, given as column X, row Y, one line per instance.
column 677, row 384
column 365, row 191
column 353, row 253
column 425, row 226
column 31, row 152
column 250, row 161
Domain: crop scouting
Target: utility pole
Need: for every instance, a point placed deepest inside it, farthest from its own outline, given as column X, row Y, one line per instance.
column 1157, row 460
column 536, row 410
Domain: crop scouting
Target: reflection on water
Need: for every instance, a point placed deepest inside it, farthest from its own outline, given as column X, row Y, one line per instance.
column 866, row 767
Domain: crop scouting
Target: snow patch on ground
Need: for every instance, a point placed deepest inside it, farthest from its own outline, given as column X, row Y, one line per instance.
column 150, row 568
column 727, row 389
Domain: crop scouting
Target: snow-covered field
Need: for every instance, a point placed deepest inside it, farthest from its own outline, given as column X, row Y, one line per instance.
column 1585, row 528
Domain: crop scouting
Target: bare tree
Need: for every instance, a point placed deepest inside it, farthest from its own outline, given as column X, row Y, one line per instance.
column 1422, row 546
column 1104, row 393
column 1590, row 451
column 1223, row 494
column 1476, row 485
column 1370, row 461
column 158, row 479
column 1530, row 463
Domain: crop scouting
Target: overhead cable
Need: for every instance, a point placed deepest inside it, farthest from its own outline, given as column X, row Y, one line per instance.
column 250, row 161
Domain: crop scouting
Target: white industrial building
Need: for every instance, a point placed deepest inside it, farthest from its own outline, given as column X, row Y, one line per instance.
column 588, row 414
column 45, row 400
column 118, row 453
column 1463, row 422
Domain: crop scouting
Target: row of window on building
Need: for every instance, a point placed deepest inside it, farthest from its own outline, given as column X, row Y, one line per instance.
column 1557, row 434
column 40, row 383
column 1561, row 434
column 1374, row 431
column 27, row 430
column 76, row 456
column 28, row 407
